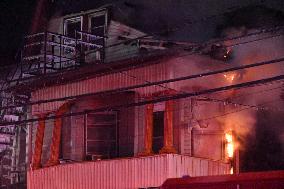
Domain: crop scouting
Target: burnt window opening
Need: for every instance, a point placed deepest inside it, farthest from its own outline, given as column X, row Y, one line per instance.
column 72, row 25
column 158, row 131
column 101, row 136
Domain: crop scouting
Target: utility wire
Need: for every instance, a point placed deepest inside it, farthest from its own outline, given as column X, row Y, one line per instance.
column 259, row 107
column 148, row 84
column 162, row 99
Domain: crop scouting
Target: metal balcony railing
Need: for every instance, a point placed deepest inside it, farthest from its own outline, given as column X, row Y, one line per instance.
column 49, row 52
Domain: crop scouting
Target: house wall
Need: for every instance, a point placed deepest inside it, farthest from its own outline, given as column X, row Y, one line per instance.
column 188, row 137
column 155, row 72
column 115, row 33
column 130, row 173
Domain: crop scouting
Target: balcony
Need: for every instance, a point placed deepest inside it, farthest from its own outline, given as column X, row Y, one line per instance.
column 125, row 173
column 49, row 52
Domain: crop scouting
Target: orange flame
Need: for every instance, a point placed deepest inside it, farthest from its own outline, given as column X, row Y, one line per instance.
column 229, row 145
column 230, row 77
column 231, row 170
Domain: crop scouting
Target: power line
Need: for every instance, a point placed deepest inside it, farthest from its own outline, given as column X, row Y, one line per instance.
column 229, row 100
column 148, row 84
column 243, row 109
column 161, row 99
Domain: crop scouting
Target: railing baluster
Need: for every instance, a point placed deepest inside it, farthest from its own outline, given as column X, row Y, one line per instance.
column 45, row 49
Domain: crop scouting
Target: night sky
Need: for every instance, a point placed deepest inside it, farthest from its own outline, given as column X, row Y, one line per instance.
column 15, row 16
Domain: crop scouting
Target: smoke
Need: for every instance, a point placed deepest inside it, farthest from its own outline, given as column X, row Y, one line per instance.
column 242, row 114
column 265, row 99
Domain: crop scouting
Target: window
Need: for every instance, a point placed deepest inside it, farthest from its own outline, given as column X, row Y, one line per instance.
column 158, row 131
column 101, row 135
column 71, row 25
column 97, row 25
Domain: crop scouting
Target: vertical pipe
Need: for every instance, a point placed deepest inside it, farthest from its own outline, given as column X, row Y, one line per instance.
column 45, row 49
column 21, row 64
column 85, row 135
column 76, row 49
column 117, row 135
column 60, row 51
column 14, row 154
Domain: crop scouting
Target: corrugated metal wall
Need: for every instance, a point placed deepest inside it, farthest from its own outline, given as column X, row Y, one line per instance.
column 129, row 173
column 107, row 82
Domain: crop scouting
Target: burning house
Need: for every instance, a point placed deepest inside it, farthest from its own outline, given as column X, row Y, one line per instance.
column 113, row 106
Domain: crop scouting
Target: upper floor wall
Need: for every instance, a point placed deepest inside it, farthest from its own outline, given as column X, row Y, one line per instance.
column 98, row 23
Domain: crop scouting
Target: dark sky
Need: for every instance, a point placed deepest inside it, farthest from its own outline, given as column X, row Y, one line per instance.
column 16, row 15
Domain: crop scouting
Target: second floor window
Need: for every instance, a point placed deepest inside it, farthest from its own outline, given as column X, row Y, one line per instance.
column 71, row 25
column 97, row 25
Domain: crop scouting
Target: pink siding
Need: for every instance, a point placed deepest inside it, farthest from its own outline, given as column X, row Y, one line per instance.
column 106, row 82
column 128, row 173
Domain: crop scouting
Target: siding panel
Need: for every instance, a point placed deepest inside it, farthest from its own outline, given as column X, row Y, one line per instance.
column 128, row 173
column 130, row 77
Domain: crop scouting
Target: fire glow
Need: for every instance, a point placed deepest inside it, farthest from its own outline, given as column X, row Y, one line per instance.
column 230, row 77
column 229, row 145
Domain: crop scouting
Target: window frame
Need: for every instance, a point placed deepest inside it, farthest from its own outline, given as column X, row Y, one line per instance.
column 73, row 18
column 97, row 14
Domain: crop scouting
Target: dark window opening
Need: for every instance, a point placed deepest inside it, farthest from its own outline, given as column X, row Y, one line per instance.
column 158, row 131
column 98, row 25
column 71, row 26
